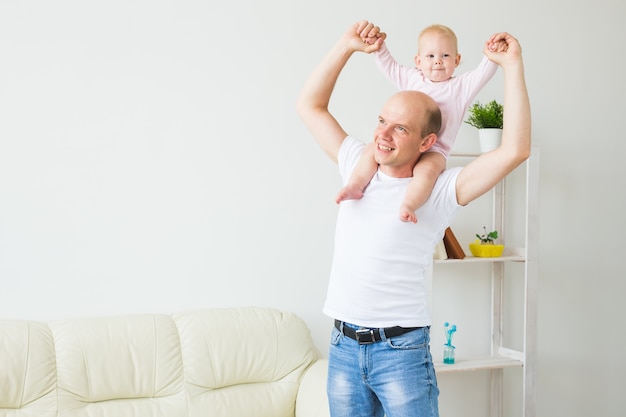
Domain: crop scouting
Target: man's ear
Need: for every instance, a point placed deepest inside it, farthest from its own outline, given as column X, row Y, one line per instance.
column 428, row 142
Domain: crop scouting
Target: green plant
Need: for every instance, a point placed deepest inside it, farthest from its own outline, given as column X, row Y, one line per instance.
column 485, row 116
column 487, row 238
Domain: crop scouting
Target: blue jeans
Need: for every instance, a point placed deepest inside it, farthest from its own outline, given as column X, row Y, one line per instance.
column 394, row 377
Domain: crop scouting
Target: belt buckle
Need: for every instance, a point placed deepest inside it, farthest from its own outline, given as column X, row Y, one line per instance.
column 365, row 336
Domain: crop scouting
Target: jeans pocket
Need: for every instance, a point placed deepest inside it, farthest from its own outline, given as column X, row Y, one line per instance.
column 335, row 336
column 416, row 339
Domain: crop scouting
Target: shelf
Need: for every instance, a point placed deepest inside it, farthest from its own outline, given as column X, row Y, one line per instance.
column 464, row 154
column 477, row 364
column 509, row 255
column 501, row 357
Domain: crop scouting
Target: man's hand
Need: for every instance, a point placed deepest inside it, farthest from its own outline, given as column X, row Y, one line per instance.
column 502, row 48
column 366, row 37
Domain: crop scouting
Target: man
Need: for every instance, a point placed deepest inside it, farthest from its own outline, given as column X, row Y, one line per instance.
column 379, row 358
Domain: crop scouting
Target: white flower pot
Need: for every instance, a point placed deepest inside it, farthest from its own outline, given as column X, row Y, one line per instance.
column 490, row 139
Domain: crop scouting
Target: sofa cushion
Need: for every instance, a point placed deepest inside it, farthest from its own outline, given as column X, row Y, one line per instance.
column 27, row 369
column 127, row 365
column 243, row 361
column 312, row 400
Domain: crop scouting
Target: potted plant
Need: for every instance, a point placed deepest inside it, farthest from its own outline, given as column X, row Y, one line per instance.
column 488, row 119
column 485, row 245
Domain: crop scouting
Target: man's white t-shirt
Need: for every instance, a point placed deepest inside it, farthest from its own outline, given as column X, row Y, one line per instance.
column 379, row 265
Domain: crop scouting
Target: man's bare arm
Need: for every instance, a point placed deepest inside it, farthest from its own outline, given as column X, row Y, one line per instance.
column 487, row 170
column 315, row 96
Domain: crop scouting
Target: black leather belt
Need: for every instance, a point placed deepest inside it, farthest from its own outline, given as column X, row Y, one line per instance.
column 367, row 336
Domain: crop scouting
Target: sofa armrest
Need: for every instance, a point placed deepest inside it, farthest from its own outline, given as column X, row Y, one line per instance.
column 312, row 400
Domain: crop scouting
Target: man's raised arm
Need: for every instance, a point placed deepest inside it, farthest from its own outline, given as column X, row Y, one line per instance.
column 314, row 98
column 487, row 170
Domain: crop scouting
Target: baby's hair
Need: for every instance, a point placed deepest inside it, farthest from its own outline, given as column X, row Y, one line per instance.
column 440, row 29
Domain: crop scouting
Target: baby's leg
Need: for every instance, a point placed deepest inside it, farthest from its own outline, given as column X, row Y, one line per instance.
column 425, row 174
column 361, row 176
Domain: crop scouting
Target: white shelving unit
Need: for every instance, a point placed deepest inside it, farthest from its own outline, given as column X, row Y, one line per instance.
column 500, row 356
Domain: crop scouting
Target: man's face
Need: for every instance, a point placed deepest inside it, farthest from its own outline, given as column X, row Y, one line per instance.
column 398, row 135
column 437, row 56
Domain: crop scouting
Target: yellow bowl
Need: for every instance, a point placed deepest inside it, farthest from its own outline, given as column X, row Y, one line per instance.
column 486, row 251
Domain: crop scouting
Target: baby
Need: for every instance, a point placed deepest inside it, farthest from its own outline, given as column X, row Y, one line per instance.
column 437, row 58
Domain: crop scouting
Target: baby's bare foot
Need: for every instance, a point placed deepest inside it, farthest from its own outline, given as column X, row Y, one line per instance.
column 407, row 214
column 349, row 192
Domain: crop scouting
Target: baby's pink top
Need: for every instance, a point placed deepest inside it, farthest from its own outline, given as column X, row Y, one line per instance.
column 453, row 96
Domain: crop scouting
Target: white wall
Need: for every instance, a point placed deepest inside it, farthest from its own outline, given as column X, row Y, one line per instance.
column 151, row 161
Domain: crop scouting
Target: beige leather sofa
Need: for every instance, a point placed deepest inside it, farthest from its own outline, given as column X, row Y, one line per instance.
column 240, row 362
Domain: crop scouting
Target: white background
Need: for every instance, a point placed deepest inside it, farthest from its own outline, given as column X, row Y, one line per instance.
column 151, row 161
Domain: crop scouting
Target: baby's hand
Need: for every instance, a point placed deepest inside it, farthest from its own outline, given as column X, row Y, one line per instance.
column 503, row 49
column 370, row 34
column 371, row 40
column 499, row 46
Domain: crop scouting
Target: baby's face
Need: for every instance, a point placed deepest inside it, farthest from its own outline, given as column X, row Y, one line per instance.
column 437, row 56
